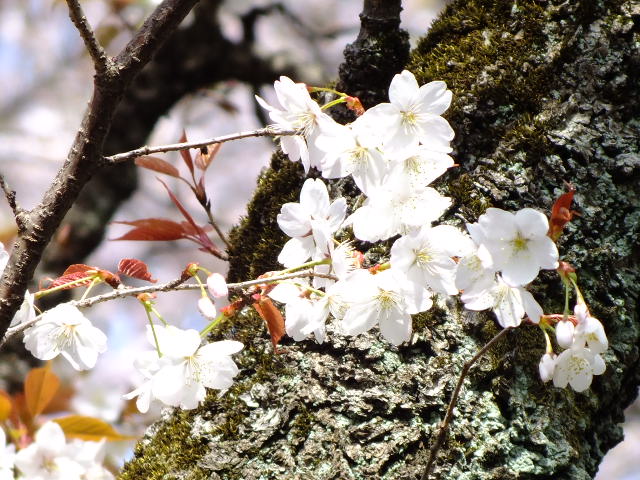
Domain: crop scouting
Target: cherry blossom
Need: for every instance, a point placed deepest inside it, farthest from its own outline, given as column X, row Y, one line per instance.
column 48, row 457
column 353, row 150
column 589, row 330
column 310, row 223
column 65, row 330
column 518, row 243
column 179, row 377
column 576, row 366
column 508, row 303
column 386, row 299
column 425, row 256
column 414, row 114
column 397, row 207
column 7, row 457
column 299, row 112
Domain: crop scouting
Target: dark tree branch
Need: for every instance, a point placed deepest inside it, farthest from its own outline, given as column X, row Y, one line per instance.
column 100, row 60
column 85, row 155
column 196, row 56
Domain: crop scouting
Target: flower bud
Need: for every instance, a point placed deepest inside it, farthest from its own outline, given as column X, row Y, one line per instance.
column 207, row 308
column 547, row 366
column 564, row 333
column 217, row 285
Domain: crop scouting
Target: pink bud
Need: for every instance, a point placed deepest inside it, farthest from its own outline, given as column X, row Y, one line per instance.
column 217, row 285
column 207, row 308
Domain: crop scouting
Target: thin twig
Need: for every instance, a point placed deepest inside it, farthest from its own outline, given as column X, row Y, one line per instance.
column 11, row 197
column 444, row 426
column 173, row 285
column 96, row 52
column 217, row 228
column 146, row 150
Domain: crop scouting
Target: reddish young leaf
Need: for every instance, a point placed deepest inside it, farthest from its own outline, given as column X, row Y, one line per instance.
column 74, row 273
column 186, row 155
column 40, row 387
column 273, row 318
column 132, row 267
column 157, row 165
column 153, row 229
column 561, row 213
column 202, row 237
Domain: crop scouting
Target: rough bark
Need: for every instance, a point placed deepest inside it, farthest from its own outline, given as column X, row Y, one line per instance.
column 544, row 91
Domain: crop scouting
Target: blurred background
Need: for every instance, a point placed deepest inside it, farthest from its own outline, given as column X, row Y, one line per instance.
column 45, row 83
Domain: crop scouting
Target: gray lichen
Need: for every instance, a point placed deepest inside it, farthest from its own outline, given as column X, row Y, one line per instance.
column 543, row 92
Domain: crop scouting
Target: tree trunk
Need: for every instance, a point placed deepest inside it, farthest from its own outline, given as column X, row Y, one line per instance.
column 544, row 91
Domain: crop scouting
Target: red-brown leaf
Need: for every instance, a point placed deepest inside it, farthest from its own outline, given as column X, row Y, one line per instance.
column 561, row 213
column 157, row 165
column 273, row 318
column 153, row 229
column 132, row 267
column 74, row 273
column 186, row 155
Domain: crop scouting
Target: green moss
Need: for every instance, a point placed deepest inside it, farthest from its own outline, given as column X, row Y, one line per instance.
column 173, row 453
column 302, row 423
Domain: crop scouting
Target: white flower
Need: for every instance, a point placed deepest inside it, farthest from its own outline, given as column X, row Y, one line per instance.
column 590, row 330
column 303, row 316
column 353, row 150
column 508, row 303
column 414, row 114
column 397, row 207
column 299, row 112
column 564, row 333
column 27, row 311
column 7, row 457
column 180, row 376
column 217, row 285
column 547, row 366
column 386, row 299
column 64, row 330
column 148, row 364
column 47, row 458
column 577, row 366
column 425, row 256
column 311, row 223
column 421, row 165
column 518, row 243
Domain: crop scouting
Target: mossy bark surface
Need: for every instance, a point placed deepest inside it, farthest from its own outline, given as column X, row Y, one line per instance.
column 544, row 91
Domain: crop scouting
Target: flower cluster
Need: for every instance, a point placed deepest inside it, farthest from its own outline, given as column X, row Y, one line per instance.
column 177, row 372
column 50, row 457
column 583, row 339
column 393, row 152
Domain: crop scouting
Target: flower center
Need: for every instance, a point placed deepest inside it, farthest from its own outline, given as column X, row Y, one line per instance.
column 388, row 299
column 305, row 122
column 519, row 243
column 578, row 365
column 424, row 257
